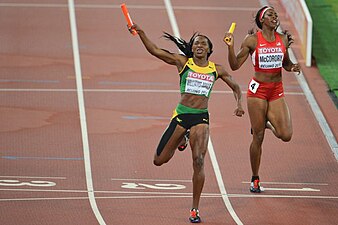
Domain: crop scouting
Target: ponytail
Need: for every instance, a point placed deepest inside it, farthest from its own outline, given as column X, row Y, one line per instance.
column 186, row 47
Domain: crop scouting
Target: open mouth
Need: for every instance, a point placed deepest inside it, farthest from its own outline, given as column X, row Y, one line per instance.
column 199, row 50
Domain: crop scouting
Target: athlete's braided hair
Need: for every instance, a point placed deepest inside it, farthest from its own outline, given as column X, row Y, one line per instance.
column 186, row 47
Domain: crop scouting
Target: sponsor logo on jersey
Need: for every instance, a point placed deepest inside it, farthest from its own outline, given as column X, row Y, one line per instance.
column 201, row 76
column 270, row 50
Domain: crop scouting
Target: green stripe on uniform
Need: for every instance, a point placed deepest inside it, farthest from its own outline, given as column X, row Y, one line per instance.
column 181, row 109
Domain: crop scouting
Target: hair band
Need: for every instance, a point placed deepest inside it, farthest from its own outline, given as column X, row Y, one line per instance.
column 263, row 12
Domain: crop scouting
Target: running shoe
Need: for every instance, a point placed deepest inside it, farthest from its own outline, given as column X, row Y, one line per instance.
column 185, row 144
column 195, row 216
column 255, row 186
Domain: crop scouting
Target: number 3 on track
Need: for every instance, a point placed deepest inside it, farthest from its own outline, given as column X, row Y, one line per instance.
column 34, row 183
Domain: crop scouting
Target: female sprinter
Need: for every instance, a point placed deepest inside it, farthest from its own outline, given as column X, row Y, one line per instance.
column 197, row 76
column 265, row 97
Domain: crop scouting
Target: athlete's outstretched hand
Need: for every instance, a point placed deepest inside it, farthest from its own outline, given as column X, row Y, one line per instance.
column 295, row 68
column 239, row 111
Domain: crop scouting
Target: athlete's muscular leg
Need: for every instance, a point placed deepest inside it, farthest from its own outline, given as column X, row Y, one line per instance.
column 279, row 116
column 168, row 143
column 257, row 109
column 199, row 137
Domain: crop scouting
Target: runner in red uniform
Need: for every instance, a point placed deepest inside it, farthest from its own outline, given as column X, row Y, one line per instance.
column 265, row 97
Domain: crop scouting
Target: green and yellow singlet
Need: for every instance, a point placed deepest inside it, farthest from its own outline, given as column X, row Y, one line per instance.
column 197, row 80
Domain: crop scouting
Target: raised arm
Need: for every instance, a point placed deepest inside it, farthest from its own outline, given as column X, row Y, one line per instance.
column 236, row 61
column 166, row 56
column 227, row 78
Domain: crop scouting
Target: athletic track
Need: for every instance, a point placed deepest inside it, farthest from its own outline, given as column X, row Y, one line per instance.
column 83, row 106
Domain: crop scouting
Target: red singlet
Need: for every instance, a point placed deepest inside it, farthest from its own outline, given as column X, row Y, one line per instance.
column 267, row 57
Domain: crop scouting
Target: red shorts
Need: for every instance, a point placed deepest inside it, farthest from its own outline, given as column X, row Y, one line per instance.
column 265, row 90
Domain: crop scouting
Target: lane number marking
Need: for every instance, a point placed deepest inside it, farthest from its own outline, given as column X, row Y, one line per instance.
column 34, row 183
column 150, row 186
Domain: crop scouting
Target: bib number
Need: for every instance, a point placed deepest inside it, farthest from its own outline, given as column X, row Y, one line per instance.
column 253, row 86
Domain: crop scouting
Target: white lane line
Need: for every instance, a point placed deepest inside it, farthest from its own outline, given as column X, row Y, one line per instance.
column 210, row 147
column 83, row 123
column 232, row 196
column 154, row 194
column 134, row 197
column 27, row 177
column 330, row 138
column 33, row 5
column 146, row 193
column 36, row 90
column 42, row 190
column 119, row 90
column 159, row 193
column 281, row 196
column 221, row 183
column 41, row 199
column 288, row 183
column 172, row 19
column 290, row 189
column 155, row 180
column 114, row 6
column 107, row 192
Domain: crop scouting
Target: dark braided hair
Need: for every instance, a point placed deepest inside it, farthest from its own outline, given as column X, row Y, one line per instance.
column 289, row 36
column 186, row 47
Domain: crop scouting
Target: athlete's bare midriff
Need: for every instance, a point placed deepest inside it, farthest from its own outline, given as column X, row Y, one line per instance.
column 268, row 77
column 194, row 101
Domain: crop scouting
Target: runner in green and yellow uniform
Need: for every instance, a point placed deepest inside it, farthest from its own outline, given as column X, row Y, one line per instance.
column 197, row 77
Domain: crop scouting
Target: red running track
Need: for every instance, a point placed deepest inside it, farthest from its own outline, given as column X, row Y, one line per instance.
column 57, row 168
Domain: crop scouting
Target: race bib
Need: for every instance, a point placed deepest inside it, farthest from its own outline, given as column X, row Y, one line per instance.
column 199, row 84
column 270, row 58
column 253, row 86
